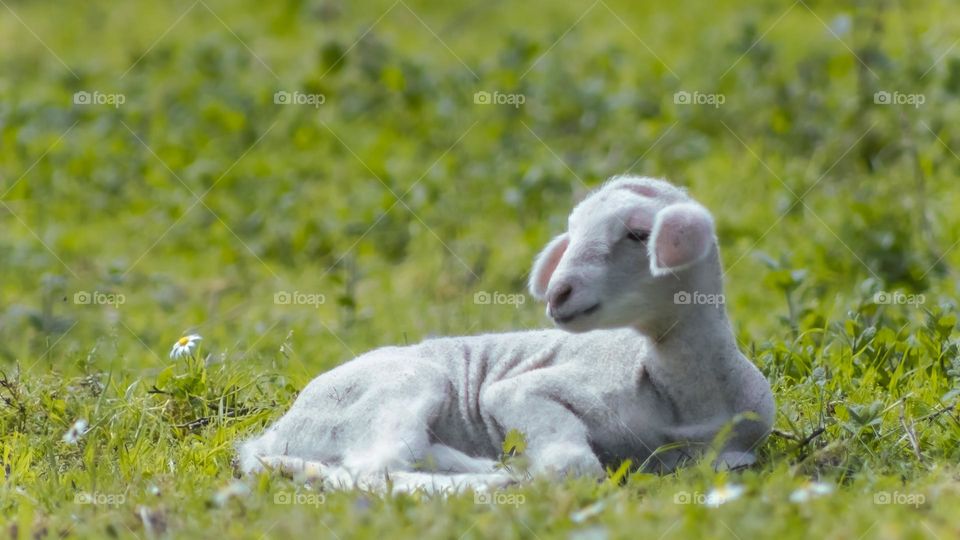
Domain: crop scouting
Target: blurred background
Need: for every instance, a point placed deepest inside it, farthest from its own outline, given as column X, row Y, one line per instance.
column 302, row 181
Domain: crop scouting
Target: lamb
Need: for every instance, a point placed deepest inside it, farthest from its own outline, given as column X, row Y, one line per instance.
column 644, row 359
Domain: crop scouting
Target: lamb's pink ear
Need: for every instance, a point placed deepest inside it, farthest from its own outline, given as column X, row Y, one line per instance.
column 545, row 264
column 682, row 235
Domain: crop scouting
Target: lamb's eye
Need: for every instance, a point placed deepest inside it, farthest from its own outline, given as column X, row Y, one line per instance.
column 638, row 236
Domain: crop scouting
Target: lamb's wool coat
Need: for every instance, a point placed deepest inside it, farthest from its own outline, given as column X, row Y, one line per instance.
column 645, row 370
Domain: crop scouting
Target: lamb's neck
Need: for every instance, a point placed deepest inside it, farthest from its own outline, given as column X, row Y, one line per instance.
column 694, row 322
column 697, row 333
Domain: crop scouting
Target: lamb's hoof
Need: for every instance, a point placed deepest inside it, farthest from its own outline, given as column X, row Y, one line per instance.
column 294, row 467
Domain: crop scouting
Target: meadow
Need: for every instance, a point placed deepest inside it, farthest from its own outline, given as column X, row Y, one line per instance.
column 301, row 181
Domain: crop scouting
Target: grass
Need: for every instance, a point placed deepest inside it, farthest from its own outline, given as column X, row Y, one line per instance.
column 200, row 205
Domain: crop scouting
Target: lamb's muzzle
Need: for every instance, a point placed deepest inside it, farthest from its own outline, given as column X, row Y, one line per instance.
column 647, row 360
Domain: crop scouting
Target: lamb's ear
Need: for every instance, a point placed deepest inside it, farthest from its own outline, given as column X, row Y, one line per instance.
column 682, row 235
column 545, row 264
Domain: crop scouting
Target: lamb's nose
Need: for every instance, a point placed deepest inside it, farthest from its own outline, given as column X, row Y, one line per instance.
column 560, row 295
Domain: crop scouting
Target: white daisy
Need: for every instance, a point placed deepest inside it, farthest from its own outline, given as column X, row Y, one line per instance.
column 810, row 490
column 723, row 494
column 75, row 432
column 184, row 346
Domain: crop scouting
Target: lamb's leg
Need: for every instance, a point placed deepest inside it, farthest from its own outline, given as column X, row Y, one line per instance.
column 739, row 451
column 732, row 460
column 557, row 439
column 294, row 467
column 736, row 445
column 409, row 482
column 339, row 478
column 396, row 437
column 446, row 459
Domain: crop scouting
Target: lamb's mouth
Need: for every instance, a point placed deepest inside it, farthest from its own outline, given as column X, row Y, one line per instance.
column 572, row 316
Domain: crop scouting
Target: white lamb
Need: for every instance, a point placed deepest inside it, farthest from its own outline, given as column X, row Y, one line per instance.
column 640, row 267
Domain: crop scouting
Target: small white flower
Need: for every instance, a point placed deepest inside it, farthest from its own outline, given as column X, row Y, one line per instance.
column 184, row 346
column 584, row 514
column 810, row 490
column 723, row 494
column 234, row 489
column 75, row 432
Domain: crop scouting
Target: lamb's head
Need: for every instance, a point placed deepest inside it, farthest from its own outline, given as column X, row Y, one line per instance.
column 630, row 248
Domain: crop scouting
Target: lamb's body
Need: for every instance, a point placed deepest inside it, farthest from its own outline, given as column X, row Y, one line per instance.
column 654, row 371
column 382, row 410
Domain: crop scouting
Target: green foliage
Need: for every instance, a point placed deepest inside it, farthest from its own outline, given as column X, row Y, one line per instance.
column 293, row 237
column 514, row 443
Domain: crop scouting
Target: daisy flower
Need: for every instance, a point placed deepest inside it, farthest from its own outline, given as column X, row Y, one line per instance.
column 723, row 494
column 184, row 346
column 810, row 490
column 75, row 432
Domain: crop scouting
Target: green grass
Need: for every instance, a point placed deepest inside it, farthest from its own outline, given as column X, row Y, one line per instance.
column 196, row 201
